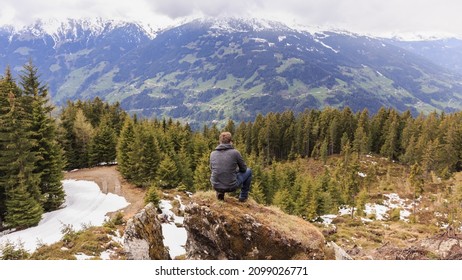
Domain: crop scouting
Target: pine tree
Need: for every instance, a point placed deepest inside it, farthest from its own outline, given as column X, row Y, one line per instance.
column 103, row 144
column 361, row 200
column 18, row 180
column 168, row 173
column 145, row 156
column 152, row 195
column 283, row 200
column 125, row 149
column 82, row 132
column 390, row 147
column 202, row 174
column 256, row 192
column 185, row 173
column 22, row 209
column 43, row 129
column 7, row 87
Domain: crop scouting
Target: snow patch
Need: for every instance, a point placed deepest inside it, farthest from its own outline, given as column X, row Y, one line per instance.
column 326, row 46
column 172, row 229
column 379, row 211
column 85, row 205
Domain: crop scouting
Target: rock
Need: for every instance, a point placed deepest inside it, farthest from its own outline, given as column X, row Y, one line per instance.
column 391, row 252
column 443, row 247
column 234, row 230
column 143, row 239
column 438, row 247
column 339, row 253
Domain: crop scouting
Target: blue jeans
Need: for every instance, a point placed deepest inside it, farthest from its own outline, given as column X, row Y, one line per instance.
column 244, row 179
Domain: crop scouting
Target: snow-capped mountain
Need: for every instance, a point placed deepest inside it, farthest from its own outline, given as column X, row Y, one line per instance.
column 209, row 69
column 74, row 30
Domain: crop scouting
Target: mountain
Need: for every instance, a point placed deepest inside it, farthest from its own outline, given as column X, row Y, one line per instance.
column 212, row 69
column 446, row 52
column 70, row 55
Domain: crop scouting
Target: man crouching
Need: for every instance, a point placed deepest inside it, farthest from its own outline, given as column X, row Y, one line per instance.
column 229, row 171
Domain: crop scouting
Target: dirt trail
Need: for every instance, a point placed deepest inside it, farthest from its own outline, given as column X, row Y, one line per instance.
column 110, row 181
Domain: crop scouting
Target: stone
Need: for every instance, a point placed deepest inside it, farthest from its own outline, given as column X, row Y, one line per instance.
column 234, row 230
column 143, row 239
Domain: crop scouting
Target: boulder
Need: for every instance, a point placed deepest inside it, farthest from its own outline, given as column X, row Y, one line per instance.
column 233, row 230
column 143, row 239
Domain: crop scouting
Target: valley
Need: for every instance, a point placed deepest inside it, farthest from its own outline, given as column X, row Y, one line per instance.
column 216, row 69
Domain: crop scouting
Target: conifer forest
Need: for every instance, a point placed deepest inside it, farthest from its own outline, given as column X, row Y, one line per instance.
column 38, row 142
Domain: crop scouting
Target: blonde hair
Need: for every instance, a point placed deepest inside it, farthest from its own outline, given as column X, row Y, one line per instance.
column 225, row 138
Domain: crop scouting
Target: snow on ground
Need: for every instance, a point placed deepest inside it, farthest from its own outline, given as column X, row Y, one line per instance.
column 174, row 236
column 379, row 210
column 85, row 205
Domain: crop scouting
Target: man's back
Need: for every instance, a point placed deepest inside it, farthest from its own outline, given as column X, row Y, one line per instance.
column 225, row 162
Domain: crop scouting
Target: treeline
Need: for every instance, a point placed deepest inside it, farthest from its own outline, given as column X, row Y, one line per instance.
column 433, row 141
column 276, row 145
column 167, row 154
column 31, row 160
column 89, row 132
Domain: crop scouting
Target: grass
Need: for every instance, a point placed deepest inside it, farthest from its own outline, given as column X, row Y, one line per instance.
column 291, row 226
column 91, row 241
column 288, row 63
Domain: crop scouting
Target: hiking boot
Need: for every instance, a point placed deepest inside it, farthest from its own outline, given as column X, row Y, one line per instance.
column 242, row 199
column 220, row 196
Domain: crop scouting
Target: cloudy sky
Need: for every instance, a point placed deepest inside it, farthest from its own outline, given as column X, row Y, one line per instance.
column 379, row 17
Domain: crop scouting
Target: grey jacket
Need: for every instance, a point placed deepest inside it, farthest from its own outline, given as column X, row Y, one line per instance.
column 225, row 162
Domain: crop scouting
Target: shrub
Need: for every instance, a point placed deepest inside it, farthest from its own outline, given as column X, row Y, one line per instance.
column 394, row 214
column 11, row 251
column 152, row 195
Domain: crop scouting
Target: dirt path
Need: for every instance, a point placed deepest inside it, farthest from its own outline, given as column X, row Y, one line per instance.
column 110, row 181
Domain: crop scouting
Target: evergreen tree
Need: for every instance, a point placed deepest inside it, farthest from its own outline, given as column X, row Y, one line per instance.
column 202, row 174
column 18, row 180
column 283, row 200
column 361, row 200
column 361, row 141
column 7, row 88
column 82, row 133
column 390, row 147
column 185, row 172
column 48, row 150
column 257, row 193
column 145, row 156
column 125, row 148
column 152, row 195
column 103, row 144
column 168, row 173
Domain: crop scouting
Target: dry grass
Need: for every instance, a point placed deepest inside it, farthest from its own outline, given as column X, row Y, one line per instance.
column 291, row 226
column 90, row 242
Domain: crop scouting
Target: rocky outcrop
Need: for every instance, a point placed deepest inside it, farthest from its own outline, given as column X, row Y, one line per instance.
column 234, row 230
column 444, row 247
column 438, row 247
column 143, row 239
column 339, row 253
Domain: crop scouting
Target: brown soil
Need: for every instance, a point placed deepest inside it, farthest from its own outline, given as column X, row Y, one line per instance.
column 110, row 181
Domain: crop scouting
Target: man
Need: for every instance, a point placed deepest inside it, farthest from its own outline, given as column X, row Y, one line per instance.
column 229, row 171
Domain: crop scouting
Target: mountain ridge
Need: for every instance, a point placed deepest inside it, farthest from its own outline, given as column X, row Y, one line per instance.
column 213, row 69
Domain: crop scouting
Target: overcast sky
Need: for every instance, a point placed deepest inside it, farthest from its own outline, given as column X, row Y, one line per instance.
column 378, row 17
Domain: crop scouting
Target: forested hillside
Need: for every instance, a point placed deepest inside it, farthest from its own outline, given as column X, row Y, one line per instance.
column 309, row 164
column 215, row 69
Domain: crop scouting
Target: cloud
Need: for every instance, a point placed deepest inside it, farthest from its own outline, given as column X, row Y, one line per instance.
column 214, row 8
column 370, row 16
